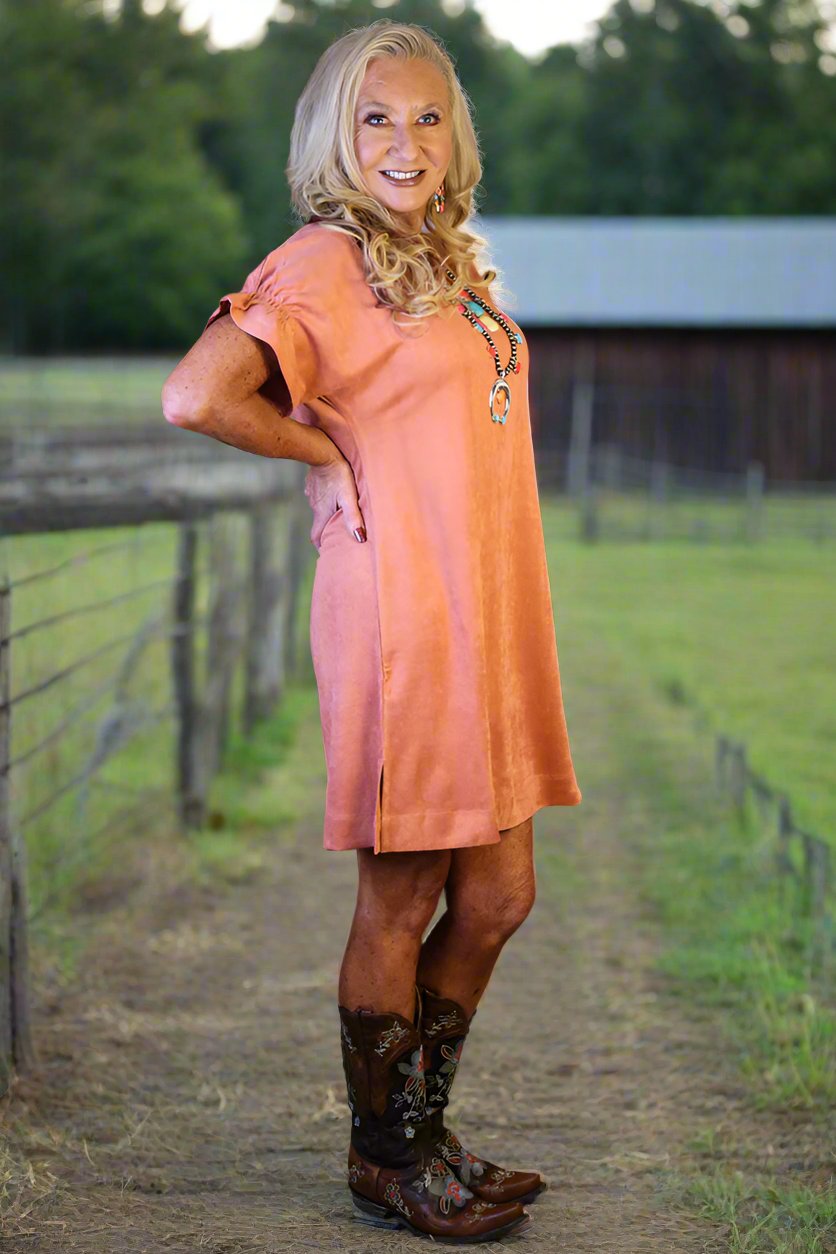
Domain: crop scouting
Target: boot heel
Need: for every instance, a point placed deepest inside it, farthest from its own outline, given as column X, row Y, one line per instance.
column 371, row 1213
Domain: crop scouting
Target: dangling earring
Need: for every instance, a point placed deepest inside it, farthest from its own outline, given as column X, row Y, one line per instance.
column 438, row 198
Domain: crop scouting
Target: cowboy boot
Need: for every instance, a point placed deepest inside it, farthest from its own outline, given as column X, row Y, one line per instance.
column 444, row 1025
column 395, row 1177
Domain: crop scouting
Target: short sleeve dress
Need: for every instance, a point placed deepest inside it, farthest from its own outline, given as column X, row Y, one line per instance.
column 433, row 643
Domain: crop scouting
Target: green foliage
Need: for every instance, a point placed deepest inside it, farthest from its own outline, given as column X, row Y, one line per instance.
column 776, row 1217
column 106, row 179
column 144, row 172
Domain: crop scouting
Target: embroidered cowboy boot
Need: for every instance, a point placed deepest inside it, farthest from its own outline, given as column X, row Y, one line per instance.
column 396, row 1178
column 444, row 1026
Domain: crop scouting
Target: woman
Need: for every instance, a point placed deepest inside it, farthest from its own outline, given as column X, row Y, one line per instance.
column 362, row 347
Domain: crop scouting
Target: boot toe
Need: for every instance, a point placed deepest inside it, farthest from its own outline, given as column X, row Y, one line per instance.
column 527, row 1186
column 486, row 1179
column 479, row 1220
column 499, row 1185
column 504, row 1217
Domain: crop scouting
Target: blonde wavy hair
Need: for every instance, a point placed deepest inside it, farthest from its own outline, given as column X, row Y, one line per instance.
column 406, row 272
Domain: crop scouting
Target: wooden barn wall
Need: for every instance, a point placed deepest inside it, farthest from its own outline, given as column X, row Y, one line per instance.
column 712, row 399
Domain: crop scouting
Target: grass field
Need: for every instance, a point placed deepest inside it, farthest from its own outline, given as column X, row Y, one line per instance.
column 69, row 390
column 742, row 633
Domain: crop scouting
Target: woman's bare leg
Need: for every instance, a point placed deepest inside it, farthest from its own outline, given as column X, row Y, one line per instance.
column 397, row 894
column 490, row 890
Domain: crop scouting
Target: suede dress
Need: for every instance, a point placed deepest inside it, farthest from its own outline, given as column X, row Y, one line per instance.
column 433, row 643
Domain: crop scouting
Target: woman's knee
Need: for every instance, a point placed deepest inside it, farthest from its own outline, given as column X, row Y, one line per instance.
column 400, row 891
column 491, row 910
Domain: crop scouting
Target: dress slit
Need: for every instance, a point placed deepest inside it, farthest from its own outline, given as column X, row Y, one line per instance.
column 378, row 811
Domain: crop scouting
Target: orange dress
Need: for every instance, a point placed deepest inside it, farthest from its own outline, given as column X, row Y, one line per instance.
column 433, row 643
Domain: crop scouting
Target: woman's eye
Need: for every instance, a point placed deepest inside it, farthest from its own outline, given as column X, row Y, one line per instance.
column 371, row 117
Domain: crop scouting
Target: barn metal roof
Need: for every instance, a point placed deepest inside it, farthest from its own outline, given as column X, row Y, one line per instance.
column 724, row 271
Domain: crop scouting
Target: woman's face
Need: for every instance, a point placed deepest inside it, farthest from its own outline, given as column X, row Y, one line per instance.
column 402, row 125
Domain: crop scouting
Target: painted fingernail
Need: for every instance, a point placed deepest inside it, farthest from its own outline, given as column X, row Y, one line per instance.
column 360, row 534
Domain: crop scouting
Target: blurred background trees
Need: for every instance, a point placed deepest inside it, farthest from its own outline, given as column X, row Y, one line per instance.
column 143, row 173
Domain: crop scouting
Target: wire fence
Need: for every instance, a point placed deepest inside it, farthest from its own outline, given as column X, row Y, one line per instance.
column 621, row 493
column 125, row 663
column 621, row 497
column 803, row 861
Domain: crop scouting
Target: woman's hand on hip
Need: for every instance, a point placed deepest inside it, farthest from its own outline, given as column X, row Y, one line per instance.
column 329, row 487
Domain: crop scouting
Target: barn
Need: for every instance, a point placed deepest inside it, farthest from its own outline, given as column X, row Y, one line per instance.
column 705, row 343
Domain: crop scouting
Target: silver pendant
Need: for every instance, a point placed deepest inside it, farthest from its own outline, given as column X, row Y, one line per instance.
column 500, row 386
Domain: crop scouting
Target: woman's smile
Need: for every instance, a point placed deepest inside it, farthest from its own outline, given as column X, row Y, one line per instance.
column 407, row 178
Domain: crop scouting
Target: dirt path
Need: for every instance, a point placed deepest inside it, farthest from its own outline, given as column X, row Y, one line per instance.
column 191, row 1097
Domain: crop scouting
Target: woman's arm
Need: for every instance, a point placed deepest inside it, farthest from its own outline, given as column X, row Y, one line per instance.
column 221, row 389
column 215, row 390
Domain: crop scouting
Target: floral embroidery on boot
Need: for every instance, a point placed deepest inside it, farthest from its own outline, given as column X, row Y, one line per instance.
column 444, row 1185
column 393, row 1196
column 444, row 1028
column 392, row 1035
column 356, row 1171
column 413, row 1096
column 466, row 1166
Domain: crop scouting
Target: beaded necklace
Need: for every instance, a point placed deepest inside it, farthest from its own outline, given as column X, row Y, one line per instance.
column 502, row 371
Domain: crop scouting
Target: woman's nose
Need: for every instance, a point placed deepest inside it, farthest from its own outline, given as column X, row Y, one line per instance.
column 403, row 144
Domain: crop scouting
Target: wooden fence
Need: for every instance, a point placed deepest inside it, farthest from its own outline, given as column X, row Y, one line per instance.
column 68, row 480
column 621, row 496
column 802, row 859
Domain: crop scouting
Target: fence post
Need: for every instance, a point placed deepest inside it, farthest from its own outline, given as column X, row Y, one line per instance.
column 191, row 805
column 738, row 775
column 264, row 656
column 659, row 492
column 817, row 877
column 611, row 466
column 580, row 437
column 23, row 1048
column 785, row 828
column 579, row 469
column 223, row 641
column 16, row 1048
column 753, row 528
column 6, row 1041
column 721, row 749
